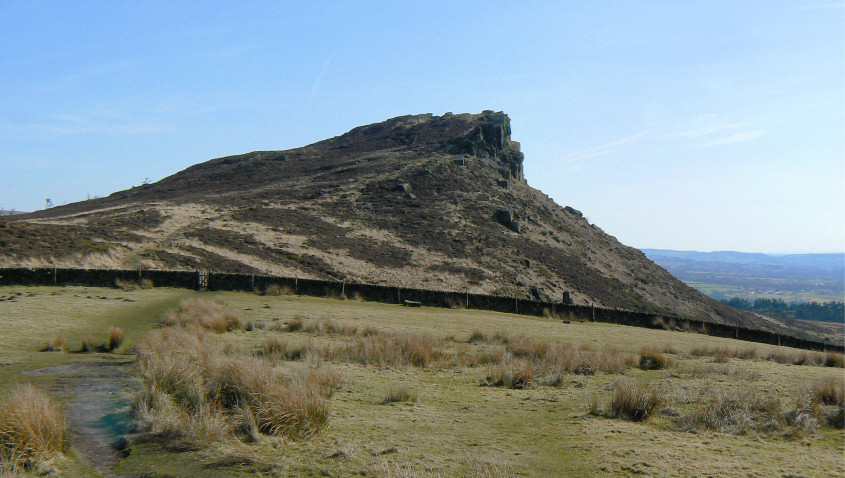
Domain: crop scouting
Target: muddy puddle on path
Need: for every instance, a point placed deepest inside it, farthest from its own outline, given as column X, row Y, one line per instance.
column 98, row 406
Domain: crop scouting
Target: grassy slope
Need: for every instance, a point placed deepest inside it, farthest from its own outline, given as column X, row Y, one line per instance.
column 455, row 424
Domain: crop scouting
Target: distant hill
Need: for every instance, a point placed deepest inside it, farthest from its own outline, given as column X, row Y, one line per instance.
column 425, row 201
column 831, row 261
column 726, row 275
column 4, row 212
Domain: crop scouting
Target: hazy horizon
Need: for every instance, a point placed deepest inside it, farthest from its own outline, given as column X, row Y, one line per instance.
column 710, row 126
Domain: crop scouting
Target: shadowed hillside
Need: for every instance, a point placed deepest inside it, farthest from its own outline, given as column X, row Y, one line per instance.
column 425, row 201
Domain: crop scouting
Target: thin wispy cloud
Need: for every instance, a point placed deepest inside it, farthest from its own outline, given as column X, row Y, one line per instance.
column 701, row 132
column 320, row 77
column 734, row 138
column 601, row 150
column 55, row 126
column 822, row 6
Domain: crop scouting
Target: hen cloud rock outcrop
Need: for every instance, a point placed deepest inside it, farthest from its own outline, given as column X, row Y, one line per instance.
column 422, row 201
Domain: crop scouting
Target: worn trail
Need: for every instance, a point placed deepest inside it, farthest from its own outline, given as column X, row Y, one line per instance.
column 98, row 407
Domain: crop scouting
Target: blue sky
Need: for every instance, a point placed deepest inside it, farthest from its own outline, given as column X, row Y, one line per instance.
column 716, row 125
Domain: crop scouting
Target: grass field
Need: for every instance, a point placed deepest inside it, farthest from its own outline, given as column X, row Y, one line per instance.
column 443, row 416
column 729, row 291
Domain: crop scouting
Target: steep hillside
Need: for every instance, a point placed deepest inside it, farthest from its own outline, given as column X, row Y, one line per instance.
column 425, row 201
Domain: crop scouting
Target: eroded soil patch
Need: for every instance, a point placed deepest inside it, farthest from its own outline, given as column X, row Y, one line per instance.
column 98, row 406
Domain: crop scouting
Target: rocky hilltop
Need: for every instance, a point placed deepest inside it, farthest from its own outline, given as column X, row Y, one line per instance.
column 419, row 201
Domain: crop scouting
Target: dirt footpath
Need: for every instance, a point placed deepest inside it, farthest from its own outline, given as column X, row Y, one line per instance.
column 98, row 406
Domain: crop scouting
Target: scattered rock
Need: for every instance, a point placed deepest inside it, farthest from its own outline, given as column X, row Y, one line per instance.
column 507, row 218
column 573, row 211
column 388, row 451
column 539, row 294
column 120, row 444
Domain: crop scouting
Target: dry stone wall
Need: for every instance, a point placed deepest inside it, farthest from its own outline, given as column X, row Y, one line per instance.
column 398, row 295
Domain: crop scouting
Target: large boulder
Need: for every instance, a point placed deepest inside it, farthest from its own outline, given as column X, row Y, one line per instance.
column 507, row 218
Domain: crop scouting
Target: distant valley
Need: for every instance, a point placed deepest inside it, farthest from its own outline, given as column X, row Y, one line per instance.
column 737, row 275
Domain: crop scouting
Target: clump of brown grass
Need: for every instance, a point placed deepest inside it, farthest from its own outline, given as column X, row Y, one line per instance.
column 834, row 359
column 478, row 336
column 369, row 331
column 829, row 391
column 735, row 411
column 721, row 355
column 32, row 428
column 196, row 391
column 116, row 337
column 202, row 313
column 58, row 344
column 277, row 348
column 388, row 350
column 330, row 327
column 748, row 353
column 652, row 359
column 512, row 373
column 492, row 355
column 295, row 325
column 128, row 285
column 275, row 290
column 632, row 402
column 87, row 344
column 401, row 393
column 802, row 357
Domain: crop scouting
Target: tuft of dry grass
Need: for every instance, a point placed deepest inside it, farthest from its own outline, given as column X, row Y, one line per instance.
column 88, row 344
column 633, row 402
column 721, row 355
column 513, row 373
column 478, row 336
column 330, row 327
column 735, row 411
column 277, row 348
column 202, row 313
column 275, row 290
column 652, row 359
column 116, row 337
column 295, row 325
column 32, row 428
column 834, row 359
column 58, row 344
column 195, row 391
column 829, row 391
column 401, row 393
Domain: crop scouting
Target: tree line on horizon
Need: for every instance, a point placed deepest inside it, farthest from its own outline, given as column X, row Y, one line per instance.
column 832, row 311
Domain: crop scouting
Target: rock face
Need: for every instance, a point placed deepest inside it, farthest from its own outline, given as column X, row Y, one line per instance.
column 507, row 218
column 491, row 138
column 439, row 202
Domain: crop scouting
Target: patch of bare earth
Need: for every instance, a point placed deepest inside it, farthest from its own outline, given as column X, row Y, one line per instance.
column 97, row 407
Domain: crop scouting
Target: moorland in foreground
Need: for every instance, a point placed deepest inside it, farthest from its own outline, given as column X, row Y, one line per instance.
column 179, row 383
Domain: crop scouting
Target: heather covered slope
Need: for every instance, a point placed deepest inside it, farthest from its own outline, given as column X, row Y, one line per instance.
column 418, row 201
